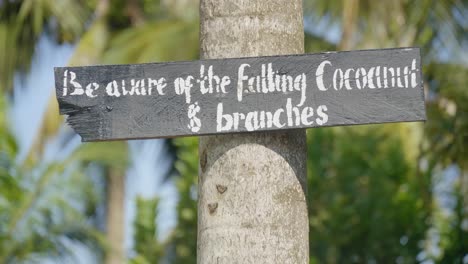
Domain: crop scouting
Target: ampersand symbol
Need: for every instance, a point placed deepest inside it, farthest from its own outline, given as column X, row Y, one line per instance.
column 195, row 122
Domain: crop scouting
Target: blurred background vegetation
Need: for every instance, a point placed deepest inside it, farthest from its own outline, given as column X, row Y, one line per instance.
column 393, row 193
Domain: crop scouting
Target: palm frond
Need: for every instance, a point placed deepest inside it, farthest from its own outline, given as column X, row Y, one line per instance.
column 21, row 24
column 155, row 41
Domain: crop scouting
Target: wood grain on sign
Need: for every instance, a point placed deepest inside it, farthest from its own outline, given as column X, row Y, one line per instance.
column 206, row 97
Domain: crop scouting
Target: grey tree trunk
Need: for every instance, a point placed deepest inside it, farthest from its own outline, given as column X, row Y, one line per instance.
column 252, row 188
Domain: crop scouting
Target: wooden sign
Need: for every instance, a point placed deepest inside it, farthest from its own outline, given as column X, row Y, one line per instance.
column 206, row 97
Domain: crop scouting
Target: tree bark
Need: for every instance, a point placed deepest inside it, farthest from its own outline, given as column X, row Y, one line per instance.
column 115, row 217
column 348, row 25
column 252, row 187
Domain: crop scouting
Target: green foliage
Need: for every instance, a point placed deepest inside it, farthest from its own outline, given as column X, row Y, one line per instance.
column 147, row 247
column 313, row 43
column 21, row 24
column 167, row 36
column 439, row 28
column 110, row 154
column 163, row 40
column 454, row 231
column 184, row 237
column 381, row 24
column 365, row 201
column 113, row 38
column 370, row 201
column 42, row 203
column 447, row 110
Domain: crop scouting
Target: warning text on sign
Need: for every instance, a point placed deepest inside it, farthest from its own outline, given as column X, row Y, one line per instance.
column 242, row 95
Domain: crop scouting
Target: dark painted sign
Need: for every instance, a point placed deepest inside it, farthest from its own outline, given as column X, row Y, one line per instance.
column 206, row 97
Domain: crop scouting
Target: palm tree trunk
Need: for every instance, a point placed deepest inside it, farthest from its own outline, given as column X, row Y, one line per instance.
column 115, row 217
column 252, row 187
column 350, row 15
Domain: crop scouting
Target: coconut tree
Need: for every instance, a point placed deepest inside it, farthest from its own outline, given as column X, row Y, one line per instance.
column 28, row 20
column 114, row 33
column 47, row 202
